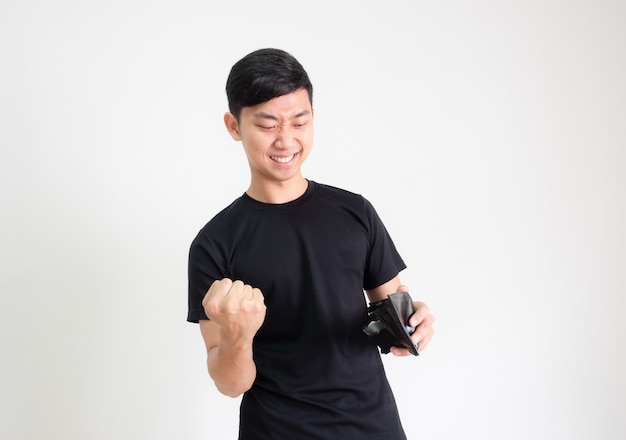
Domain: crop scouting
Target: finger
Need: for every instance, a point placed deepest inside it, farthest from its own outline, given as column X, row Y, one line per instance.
column 400, row 351
column 247, row 294
column 424, row 332
column 218, row 289
column 425, row 341
column 257, row 301
column 258, row 295
column 421, row 312
column 237, row 288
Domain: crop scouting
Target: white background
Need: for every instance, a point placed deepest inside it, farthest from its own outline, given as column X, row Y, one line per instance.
column 488, row 134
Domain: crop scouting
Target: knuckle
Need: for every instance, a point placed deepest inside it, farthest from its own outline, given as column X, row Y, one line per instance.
column 212, row 308
column 224, row 282
column 236, row 286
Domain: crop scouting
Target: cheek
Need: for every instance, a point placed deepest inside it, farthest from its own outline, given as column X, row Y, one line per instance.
column 307, row 139
column 255, row 143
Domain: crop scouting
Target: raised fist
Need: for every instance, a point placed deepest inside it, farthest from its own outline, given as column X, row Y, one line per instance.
column 237, row 308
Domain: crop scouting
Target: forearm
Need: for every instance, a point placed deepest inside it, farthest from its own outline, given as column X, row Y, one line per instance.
column 231, row 366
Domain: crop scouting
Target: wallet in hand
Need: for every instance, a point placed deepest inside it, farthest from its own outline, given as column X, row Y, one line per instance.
column 387, row 323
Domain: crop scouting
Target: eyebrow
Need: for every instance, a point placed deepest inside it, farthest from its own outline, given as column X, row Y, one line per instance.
column 274, row 118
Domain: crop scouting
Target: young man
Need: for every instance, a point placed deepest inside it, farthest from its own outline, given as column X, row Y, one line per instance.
column 277, row 279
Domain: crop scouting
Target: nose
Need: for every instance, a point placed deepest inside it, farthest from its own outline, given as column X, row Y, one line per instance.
column 285, row 137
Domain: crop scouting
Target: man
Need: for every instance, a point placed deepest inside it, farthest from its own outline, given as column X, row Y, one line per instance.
column 277, row 279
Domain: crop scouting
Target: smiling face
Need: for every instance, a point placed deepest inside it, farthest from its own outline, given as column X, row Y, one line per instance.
column 277, row 136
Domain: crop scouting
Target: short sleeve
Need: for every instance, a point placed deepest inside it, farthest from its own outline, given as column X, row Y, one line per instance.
column 383, row 260
column 203, row 270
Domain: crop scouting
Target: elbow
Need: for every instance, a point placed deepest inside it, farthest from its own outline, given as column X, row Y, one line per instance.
column 233, row 389
column 229, row 393
column 233, row 385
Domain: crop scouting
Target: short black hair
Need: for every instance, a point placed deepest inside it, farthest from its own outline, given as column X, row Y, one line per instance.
column 263, row 75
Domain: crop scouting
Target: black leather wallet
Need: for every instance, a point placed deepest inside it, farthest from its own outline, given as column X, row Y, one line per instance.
column 387, row 323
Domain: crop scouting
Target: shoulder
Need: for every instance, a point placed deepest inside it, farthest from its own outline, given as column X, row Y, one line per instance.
column 222, row 221
column 340, row 194
column 330, row 189
column 355, row 201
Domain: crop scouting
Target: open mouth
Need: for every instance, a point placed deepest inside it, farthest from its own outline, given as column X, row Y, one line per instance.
column 283, row 159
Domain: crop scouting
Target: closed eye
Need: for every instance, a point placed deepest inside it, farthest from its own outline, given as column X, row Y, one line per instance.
column 267, row 127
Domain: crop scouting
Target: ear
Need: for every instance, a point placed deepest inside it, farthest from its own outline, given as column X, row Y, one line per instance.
column 232, row 126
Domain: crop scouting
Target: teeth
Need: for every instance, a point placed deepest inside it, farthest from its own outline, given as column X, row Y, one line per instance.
column 282, row 159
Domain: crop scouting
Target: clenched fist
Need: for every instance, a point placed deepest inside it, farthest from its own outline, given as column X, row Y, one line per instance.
column 239, row 309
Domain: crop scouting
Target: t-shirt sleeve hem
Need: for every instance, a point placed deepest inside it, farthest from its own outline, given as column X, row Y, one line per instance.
column 196, row 316
column 386, row 276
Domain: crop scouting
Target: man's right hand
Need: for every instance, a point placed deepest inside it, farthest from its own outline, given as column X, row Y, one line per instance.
column 238, row 308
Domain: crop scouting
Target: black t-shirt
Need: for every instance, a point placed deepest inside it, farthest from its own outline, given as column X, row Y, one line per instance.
column 318, row 375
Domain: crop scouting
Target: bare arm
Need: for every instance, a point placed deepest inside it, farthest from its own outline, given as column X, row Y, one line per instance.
column 422, row 319
column 229, row 362
column 381, row 292
column 236, row 312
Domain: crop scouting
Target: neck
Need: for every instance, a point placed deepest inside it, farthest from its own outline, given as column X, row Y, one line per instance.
column 278, row 192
